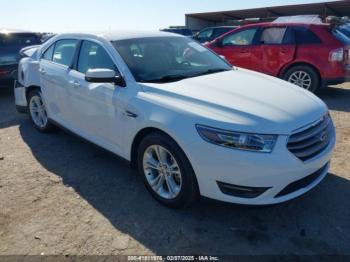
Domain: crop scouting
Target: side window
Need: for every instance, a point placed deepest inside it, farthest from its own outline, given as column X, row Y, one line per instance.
column 244, row 37
column 206, row 34
column 48, row 53
column 304, row 35
column 273, row 35
column 94, row 56
column 64, row 51
column 220, row 31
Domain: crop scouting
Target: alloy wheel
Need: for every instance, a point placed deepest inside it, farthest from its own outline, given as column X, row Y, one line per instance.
column 301, row 78
column 38, row 111
column 162, row 172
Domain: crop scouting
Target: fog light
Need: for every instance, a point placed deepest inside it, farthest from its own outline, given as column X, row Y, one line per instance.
column 241, row 191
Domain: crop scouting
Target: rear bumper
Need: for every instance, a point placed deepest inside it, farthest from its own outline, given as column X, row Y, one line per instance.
column 6, row 83
column 335, row 81
column 336, row 75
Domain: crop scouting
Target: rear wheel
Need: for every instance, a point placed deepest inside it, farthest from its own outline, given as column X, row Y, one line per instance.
column 166, row 171
column 303, row 76
column 37, row 111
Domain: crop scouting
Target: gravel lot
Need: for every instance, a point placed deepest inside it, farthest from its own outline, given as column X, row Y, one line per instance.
column 60, row 195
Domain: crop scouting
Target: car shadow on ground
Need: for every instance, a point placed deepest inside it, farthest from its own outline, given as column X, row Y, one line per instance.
column 336, row 98
column 317, row 223
column 8, row 114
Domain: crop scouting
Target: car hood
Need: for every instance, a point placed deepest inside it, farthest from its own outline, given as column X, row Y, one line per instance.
column 241, row 100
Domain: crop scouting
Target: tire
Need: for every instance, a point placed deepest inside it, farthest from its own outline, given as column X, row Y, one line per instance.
column 184, row 184
column 296, row 74
column 37, row 111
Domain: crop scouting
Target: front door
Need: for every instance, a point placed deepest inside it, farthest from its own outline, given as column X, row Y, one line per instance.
column 236, row 47
column 94, row 110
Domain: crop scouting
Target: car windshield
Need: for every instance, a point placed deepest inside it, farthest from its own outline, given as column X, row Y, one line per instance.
column 341, row 36
column 11, row 44
column 345, row 29
column 168, row 59
column 185, row 32
column 18, row 40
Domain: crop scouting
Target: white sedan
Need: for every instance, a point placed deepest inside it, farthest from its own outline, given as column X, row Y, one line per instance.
column 191, row 123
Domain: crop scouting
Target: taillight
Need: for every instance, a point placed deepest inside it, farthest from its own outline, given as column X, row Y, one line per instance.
column 337, row 55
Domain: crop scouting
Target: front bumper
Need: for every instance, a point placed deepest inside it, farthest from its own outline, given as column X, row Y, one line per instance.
column 273, row 172
column 20, row 97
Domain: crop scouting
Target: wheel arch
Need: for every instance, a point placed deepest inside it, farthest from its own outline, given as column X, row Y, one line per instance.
column 30, row 89
column 141, row 134
column 149, row 130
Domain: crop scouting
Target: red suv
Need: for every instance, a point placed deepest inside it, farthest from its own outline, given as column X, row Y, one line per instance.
column 308, row 55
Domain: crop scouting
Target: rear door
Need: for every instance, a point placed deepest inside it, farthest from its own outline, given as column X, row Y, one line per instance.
column 275, row 48
column 55, row 65
column 237, row 46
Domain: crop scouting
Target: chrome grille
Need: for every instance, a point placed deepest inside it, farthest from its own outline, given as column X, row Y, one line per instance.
column 311, row 141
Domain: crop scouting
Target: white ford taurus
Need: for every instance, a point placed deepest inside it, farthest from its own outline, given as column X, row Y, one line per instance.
column 191, row 123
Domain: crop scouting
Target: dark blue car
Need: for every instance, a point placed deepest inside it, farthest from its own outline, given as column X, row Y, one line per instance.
column 10, row 44
column 179, row 31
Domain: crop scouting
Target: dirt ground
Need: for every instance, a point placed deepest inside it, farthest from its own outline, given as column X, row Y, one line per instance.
column 60, row 195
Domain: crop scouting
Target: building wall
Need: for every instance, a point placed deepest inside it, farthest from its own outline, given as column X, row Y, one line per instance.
column 336, row 8
column 196, row 24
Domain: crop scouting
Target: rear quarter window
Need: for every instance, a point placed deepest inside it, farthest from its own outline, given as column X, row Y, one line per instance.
column 304, row 35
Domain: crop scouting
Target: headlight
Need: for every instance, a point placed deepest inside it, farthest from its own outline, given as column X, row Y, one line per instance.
column 237, row 140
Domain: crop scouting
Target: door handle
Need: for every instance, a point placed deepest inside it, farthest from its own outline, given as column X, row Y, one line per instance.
column 42, row 71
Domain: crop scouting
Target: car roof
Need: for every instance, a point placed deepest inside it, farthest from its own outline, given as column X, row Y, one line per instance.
column 14, row 31
column 283, row 24
column 224, row 26
column 120, row 35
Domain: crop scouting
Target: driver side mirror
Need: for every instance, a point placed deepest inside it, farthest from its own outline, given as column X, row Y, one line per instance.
column 104, row 75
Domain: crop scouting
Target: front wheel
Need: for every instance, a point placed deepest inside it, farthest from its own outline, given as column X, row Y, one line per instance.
column 303, row 76
column 37, row 112
column 166, row 171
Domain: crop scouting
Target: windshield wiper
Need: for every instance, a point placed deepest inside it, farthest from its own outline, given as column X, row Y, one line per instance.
column 212, row 71
column 166, row 79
